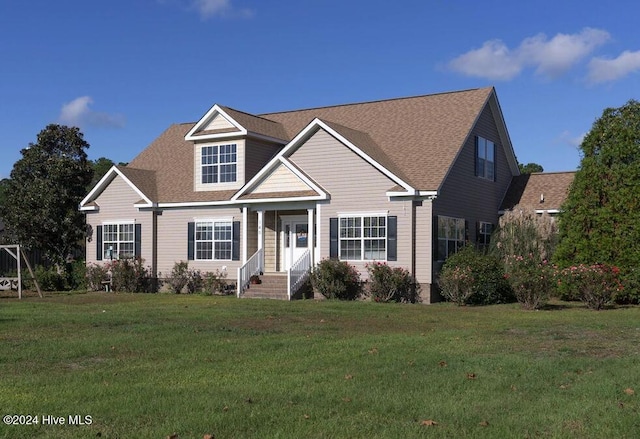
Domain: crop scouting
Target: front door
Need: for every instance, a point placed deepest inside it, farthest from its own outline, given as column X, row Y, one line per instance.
column 295, row 235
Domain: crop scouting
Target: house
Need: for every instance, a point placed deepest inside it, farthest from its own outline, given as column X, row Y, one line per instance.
column 404, row 181
column 542, row 192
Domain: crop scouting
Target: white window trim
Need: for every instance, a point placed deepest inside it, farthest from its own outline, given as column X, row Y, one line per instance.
column 478, row 157
column 362, row 238
column 118, row 242
column 213, row 241
column 480, row 232
column 197, row 166
column 440, row 257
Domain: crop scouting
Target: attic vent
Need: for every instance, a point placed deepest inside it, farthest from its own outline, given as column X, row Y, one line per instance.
column 542, row 198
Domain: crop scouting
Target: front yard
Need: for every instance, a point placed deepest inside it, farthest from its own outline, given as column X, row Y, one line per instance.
column 151, row 366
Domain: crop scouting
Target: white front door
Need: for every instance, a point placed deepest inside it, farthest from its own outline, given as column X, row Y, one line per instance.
column 295, row 236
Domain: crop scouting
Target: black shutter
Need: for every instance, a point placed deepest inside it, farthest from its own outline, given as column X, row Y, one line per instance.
column 333, row 238
column 98, row 243
column 191, row 241
column 235, row 246
column 138, row 240
column 392, row 238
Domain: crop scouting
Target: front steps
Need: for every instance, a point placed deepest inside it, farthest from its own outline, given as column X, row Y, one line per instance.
column 273, row 286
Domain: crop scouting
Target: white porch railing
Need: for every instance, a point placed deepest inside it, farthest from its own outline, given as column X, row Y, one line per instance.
column 253, row 266
column 298, row 273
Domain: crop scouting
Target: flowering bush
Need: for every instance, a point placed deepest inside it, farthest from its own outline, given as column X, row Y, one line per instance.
column 387, row 284
column 96, row 274
column 456, row 283
column 474, row 277
column 596, row 285
column 531, row 280
column 336, row 280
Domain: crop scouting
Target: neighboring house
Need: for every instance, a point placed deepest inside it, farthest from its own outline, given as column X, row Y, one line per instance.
column 542, row 192
column 403, row 181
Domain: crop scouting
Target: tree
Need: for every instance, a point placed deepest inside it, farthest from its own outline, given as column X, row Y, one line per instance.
column 530, row 168
column 44, row 191
column 100, row 167
column 600, row 222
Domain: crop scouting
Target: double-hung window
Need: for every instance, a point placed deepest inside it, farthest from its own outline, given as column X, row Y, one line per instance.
column 213, row 240
column 118, row 241
column 451, row 236
column 484, row 233
column 363, row 238
column 485, row 159
column 219, row 163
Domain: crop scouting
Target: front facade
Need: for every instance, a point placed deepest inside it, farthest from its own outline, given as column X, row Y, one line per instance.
column 403, row 181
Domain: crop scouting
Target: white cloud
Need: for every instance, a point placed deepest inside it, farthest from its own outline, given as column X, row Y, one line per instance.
column 568, row 139
column 606, row 70
column 77, row 113
column 223, row 8
column 493, row 60
column 550, row 58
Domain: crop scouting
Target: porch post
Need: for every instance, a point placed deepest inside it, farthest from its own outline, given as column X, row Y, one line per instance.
column 245, row 243
column 261, row 236
column 310, row 237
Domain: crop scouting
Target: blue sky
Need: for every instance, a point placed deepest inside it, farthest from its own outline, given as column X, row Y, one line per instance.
column 125, row 70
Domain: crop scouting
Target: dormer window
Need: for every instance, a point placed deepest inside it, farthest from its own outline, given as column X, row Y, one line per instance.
column 219, row 163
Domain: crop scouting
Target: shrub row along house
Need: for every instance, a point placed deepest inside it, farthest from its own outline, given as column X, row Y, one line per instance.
column 404, row 181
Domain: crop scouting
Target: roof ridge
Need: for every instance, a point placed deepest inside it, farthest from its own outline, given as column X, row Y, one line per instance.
column 249, row 114
column 375, row 101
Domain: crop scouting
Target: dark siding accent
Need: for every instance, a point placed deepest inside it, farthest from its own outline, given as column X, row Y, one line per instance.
column 235, row 246
column 475, row 158
column 191, row 241
column 98, row 243
column 333, row 238
column 495, row 162
column 392, row 238
column 138, row 240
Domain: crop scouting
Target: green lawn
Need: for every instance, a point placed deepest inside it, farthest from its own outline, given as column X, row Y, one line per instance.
column 149, row 366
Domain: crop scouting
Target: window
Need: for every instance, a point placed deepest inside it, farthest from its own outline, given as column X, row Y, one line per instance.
column 213, row 240
column 118, row 241
column 484, row 233
column 451, row 236
column 363, row 238
column 485, row 159
column 219, row 163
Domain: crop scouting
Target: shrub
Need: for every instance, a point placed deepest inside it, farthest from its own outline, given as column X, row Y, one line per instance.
column 95, row 274
column 130, row 275
column 215, row 283
column 456, row 283
column 336, row 280
column 531, row 280
column 194, row 281
column 77, row 278
column 630, row 292
column 596, row 285
column 387, row 284
column 49, row 279
column 179, row 276
column 473, row 277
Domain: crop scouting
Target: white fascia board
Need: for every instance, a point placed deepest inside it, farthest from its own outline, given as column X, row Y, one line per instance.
column 198, row 204
column 105, row 180
column 88, row 208
column 303, row 177
column 98, row 187
column 285, row 199
column 190, row 136
column 265, row 169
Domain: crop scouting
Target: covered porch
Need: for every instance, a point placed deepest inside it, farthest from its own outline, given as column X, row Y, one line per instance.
column 280, row 240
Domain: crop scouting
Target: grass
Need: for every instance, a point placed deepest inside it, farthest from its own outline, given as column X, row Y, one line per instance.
column 149, row 366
